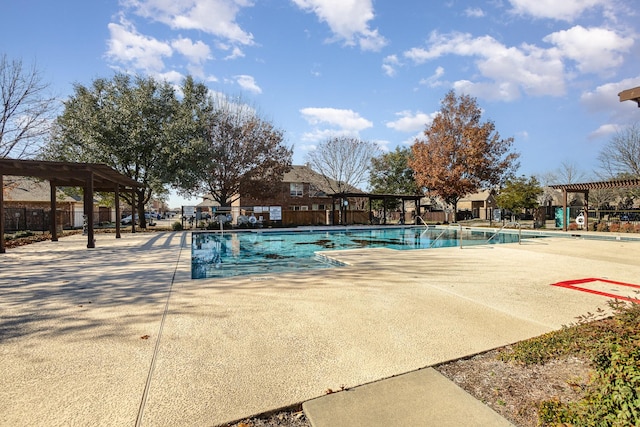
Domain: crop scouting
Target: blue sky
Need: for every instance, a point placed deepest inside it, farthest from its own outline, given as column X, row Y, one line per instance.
column 547, row 72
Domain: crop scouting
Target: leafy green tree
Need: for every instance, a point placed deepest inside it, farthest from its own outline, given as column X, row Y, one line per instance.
column 519, row 193
column 127, row 123
column 390, row 173
column 461, row 154
column 241, row 153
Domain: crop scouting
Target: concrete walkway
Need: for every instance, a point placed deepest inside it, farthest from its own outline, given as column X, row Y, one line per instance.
column 120, row 334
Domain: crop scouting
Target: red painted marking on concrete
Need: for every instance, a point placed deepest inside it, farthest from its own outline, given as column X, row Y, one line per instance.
column 571, row 284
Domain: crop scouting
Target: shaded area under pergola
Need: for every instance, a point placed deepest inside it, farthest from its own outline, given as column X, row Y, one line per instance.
column 373, row 196
column 584, row 189
column 90, row 177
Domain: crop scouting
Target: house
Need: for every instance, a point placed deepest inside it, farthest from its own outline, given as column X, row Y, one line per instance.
column 27, row 206
column 305, row 197
column 477, row 205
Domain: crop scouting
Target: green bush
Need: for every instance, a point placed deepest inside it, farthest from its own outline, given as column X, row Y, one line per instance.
column 176, row 226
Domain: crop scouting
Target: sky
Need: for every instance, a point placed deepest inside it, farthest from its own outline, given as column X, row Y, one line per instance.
column 546, row 72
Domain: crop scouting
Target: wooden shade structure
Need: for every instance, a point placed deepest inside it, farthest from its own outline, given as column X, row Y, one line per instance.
column 336, row 197
column 630, row 95
column 584, row 189
column 90, row 177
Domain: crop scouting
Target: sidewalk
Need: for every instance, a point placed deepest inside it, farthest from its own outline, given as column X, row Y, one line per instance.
column 120, row 334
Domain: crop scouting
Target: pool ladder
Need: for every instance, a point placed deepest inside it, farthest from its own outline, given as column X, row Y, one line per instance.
column 517, row 224
column 433, row 242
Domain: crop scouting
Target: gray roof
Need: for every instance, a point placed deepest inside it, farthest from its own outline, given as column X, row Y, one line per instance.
column 24, row 189
column 304, row 174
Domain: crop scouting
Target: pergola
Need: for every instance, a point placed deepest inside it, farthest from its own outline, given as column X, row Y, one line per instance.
column 90, row 177
column 373, row 196
column 584, row 189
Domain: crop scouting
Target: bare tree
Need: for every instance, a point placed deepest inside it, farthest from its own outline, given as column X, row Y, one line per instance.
column 621, row 156
column 344, row 162
column 570, row 173
column 26, row 111
column 243, row 154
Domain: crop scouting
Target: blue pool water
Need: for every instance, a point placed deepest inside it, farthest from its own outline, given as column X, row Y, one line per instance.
column 242, row 253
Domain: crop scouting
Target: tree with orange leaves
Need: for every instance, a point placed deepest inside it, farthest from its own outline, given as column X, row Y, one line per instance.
column 460, row 154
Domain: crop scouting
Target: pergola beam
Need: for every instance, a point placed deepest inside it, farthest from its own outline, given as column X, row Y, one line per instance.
column 630, row 95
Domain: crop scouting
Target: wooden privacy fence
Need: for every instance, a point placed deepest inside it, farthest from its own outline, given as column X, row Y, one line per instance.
column 320, row 217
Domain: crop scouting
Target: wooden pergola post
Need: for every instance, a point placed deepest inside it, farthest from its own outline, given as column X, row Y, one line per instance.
column 117, row 200
column 52, row 219
column 88, row 209
column 565, row 213
column 2, row 249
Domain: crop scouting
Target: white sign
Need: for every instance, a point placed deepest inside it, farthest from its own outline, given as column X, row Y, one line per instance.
column 188, row 211
column 275, row 213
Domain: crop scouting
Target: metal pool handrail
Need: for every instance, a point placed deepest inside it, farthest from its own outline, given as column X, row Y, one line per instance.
column 501, row 228
column 426, row 226
column 436, row 239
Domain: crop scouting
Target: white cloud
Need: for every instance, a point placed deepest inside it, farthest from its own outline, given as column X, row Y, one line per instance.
column 389, row 65
column 434, row 79
column 594, row 49
column 236, row 52
column 248, row 83
column 605, row 131
column 128, row 46
column 196, row 53
column 348, row 20
column 173, row 77
column 347, row 120
column 216, row 17
column 411, row 122
column 509, row 70
column 317, row 135
column 474, row 12
column 605, row 99
column 565, row 10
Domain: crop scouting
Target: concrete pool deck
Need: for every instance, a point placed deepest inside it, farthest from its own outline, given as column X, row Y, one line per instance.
column 120, row 334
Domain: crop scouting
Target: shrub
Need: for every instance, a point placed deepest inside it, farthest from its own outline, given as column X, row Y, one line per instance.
column 613, row 395
column 627, row 227
column 572, row 226
column 176, row 226
column 614, row 227
column 603, row 227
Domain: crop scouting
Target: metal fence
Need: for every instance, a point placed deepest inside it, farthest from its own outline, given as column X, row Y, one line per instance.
column 38, row 219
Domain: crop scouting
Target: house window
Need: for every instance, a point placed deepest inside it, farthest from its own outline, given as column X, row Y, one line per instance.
column 318, row 207
column 304, row 208
column 295, row 189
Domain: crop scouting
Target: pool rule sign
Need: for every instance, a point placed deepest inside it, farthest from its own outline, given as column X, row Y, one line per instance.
column 275, row 213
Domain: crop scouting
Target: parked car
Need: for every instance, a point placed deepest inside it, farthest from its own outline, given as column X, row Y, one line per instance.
column 127, row 219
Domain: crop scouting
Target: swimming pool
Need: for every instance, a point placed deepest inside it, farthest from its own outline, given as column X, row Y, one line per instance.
column 215, row 255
